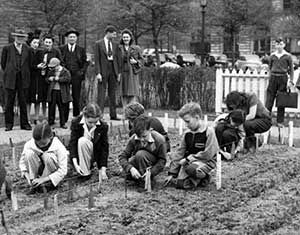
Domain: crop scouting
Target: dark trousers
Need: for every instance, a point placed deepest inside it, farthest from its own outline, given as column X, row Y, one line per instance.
column 226, row 135
column 76, row 95
column 141, row 160
column 257, row 125
column 56, row 100
column 276, row 83
column 111, row 82
column 9, row 107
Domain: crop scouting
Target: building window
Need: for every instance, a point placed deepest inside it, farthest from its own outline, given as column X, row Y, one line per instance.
column 262, row 46
column 287, row 4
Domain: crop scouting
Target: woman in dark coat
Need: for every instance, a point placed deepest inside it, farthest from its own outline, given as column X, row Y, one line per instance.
column 48, row 53
column 131, row 64
column 36, row 79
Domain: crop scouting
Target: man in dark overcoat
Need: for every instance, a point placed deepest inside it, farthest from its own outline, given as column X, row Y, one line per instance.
column 74, row 59
column 16, row 64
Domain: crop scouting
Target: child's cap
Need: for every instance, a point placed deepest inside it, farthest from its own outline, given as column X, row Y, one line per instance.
column 54, row 62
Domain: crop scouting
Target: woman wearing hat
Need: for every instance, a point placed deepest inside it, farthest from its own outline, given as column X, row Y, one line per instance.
column 131, row 64
column 35, row 94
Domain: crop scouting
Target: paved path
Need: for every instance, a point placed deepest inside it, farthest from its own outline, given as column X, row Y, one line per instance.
column 19, row 136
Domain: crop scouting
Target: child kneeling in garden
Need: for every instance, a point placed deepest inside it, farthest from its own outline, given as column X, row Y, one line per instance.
column 191, row 164
column 146, row 148
column 44, row 158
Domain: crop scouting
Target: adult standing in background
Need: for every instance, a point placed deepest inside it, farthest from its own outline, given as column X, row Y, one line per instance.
column 35, row 94
column 74, row 59
column 131, row 64
column 107, row 61
column 16, row 64
column 280, row 65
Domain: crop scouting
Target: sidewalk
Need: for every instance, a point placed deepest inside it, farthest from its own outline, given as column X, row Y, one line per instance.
column 18, row 136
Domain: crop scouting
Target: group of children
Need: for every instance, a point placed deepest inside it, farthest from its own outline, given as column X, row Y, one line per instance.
column 44, row 160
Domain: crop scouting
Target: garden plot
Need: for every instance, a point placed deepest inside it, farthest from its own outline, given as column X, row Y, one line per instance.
column 260, row 194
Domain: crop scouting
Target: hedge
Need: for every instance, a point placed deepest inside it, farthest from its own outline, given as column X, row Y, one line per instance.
column 163, row 88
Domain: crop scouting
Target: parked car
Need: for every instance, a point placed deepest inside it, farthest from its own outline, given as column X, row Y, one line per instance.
column 219, row 60
column 251, row 62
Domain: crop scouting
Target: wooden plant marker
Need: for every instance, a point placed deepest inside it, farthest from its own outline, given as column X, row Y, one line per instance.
column 166, row 121
column 111, row 128
column 70, row 197
column 148, row 180
column 46, row 206
column 150, row 114
column 55, row 203
column 219, row 172
column 13, row 149
column 124, row 125
column 256, row 143
column 180, row 126
column 266, row 137
column 91, row 198
column 125, row 187
column 291, row 133
column 120, row 134
column 14, row 201
column 3, row 222
column 205, row 119
column 174, row 122
column 232, row 150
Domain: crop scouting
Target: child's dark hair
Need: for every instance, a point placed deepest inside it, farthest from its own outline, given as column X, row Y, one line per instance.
column 236, row 100
column 133, row 110
column 42, row 131
column 110, row 29
column 141, row 124
column 91, row 110
column 279, row 40
column 192, row 109
column 237, row 116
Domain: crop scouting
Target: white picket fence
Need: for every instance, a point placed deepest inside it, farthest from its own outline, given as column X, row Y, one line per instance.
column 248, row 81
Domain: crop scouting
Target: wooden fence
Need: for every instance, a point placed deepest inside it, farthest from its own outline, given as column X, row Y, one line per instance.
column 248, row 81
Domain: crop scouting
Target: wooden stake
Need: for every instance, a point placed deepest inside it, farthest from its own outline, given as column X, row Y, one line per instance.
column 232, row 150
column 3, row 222
column 120, row 134
column 150, row 114
column 13, row 149
column 56, row 208
column 148, row 180
column 46, row 206
column 279, row 135
column 124, row 125
column 14, row 201
column 291, row 133
column 174, row 122
column 166, row 122
column 70, row 197
column 219, row 172
column 266, row 137
column 205, row 119
column 256, row 142
column 125, row 187
column 180, row 126
column 91, row 198
column 111, row 128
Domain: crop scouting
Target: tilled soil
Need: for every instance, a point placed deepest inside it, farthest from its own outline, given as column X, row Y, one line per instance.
column 260, row 195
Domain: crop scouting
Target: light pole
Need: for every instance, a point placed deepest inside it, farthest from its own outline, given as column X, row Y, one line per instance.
column 203, row 4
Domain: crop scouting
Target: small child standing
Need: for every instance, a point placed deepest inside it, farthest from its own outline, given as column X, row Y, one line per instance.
column 196, row 157
column 44, row 158
column 58, row 91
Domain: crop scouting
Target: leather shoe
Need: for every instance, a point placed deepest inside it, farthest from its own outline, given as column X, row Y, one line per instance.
column 26, row 127
column 64, row 126
column 115, row 119
column 8, row 128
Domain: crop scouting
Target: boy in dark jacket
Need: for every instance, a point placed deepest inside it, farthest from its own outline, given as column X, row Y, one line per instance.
column 58, row 91
column 146, row 148
column 196, row 157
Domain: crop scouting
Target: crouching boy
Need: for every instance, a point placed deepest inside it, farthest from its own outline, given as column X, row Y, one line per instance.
column 191, row 164
column 44, row 158
column 146, row 148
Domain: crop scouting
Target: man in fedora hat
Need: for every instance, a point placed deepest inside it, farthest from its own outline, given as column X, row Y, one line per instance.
column 74, row 59
column 16, row 64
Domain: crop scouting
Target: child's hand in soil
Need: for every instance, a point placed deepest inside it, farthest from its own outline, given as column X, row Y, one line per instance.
column 135, row 173
column 37, row 182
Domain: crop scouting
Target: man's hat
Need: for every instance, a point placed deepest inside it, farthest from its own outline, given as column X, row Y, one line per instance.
column 19, row 33
column 72, row 30
column 53, row 62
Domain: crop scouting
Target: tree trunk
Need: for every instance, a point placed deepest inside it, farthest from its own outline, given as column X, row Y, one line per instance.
column 156, row 45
